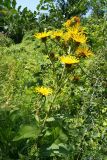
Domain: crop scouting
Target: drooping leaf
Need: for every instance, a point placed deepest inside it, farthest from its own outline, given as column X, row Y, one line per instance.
column 27, row 131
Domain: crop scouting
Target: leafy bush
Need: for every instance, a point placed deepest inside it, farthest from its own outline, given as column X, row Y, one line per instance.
column 5, row 41
column 15, row 22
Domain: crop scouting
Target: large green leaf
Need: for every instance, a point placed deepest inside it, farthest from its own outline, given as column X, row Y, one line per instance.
column 27, row 131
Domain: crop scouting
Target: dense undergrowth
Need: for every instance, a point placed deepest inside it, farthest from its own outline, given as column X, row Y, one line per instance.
column 73, row 126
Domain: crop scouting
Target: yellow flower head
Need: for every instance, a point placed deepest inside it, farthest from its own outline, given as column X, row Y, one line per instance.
column 76, row 33
column 84, row 51
column 56, row 34
column 74, row 29
column 72, row 21
column 67, row 23
column 43, row 90
column 68, row 59
column 75, row 19
column 77, row 29
column 42, row 35
column 67, row 36
column 79, row 37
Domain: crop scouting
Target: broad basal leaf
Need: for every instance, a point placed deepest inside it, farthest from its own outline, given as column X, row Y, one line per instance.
column 27, row 131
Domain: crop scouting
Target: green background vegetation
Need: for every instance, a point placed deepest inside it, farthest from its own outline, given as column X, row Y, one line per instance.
column 76, row 127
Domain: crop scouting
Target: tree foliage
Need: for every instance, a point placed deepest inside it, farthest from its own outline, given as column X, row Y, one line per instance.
column 59, row 11
column 99, row 8
column 14, row 22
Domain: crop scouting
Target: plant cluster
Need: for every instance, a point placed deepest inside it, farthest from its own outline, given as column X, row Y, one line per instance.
column 57, row 102
column 53, row 95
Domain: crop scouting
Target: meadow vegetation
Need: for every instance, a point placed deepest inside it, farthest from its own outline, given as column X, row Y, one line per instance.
column 53, row 89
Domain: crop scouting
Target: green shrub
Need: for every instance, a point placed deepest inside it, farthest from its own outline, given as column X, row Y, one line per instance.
column 15, row 22
column 5, row 41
